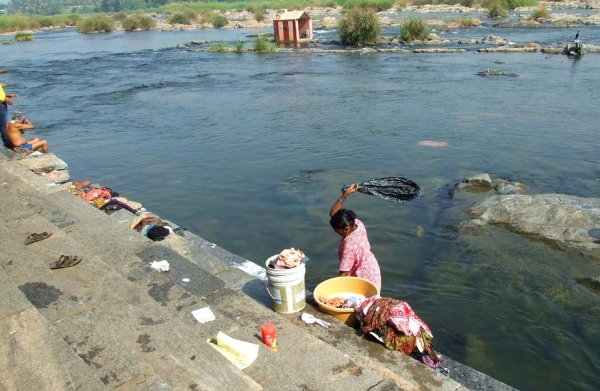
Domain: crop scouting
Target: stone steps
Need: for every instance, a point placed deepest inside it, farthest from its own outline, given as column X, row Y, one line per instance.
column 120, row 330
column 114, row 296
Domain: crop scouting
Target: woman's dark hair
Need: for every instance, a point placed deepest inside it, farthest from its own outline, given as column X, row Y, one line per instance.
column 342, row 218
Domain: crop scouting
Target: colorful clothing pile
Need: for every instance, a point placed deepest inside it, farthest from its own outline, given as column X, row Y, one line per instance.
column 103, row 197
column 395, row 324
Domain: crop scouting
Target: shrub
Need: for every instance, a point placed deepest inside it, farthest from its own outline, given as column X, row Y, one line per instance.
column 139, row 22
column 219, row 47
column 179, row 18
column 259, row 15
column 23, row 37
column 468, row 3
column 465, row 22
column 220, row 21
column 512, row 4
column 208, row 17
column 7, row 42
column 496, row 10
column 540, row 13
column 262, row 45
column 120, row 16
column 191, row 15
column 359, row 26
column 239, row 47
column 251, row 8
column 95, row 23
column 414, row 29
column 377, row 5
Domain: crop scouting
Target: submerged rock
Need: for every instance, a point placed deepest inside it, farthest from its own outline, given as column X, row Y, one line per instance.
column 563, row 220
column 491, row 72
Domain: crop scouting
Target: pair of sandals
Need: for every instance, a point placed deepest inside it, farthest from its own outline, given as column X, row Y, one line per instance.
column 63, row 261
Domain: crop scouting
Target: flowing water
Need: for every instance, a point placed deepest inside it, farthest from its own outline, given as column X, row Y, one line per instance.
column 249, row 151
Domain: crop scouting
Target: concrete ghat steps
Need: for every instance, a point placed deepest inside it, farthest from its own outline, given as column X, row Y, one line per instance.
column 115, row 270
column 120, row 331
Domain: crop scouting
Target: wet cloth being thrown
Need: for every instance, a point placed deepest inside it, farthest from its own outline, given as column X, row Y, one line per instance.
column 395, row 323
column 394, row 189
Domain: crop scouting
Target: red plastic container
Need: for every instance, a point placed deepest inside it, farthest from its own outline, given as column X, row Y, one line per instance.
column 269, row 335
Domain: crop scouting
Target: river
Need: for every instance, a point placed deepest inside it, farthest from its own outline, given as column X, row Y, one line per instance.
column 249, row 151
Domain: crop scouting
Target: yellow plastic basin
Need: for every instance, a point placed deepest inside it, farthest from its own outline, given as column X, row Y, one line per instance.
column 344, row 287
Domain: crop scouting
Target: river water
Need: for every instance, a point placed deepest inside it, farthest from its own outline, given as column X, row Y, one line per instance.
column 249, row 151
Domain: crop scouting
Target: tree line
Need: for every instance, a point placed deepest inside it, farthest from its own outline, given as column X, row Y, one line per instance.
column 55, row 7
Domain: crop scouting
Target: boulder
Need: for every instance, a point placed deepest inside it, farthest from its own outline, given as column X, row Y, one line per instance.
column 479, row 180
column 43, row 163
column 569, row 222
column 57, row 177
column 503, row 186
column 329, row 22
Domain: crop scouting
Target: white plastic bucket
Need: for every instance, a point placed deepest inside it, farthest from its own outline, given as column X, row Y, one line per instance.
column 286, row 287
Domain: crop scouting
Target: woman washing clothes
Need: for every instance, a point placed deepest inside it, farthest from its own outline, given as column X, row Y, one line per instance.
column 356, row 258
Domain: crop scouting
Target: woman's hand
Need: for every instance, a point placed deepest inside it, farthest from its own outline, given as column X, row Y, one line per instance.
column 352, row 189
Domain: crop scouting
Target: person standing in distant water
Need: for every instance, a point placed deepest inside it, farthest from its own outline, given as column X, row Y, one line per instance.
column 5, row 100
column 356, row 258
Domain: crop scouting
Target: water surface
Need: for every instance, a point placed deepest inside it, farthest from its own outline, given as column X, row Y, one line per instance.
column 250, row 151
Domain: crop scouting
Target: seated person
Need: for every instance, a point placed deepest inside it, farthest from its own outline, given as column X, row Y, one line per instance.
column 15, row 129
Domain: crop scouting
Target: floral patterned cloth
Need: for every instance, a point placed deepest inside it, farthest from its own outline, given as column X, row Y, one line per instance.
column 356, row 256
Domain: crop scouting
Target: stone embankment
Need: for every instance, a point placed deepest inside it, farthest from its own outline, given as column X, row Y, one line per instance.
column 113, row 322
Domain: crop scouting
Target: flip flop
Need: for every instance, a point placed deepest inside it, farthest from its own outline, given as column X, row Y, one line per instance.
column 36, row 237
column 66, row 261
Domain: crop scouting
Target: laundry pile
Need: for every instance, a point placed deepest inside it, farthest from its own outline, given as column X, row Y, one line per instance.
column 288, row 259
column 103, row 197
column 154, row 228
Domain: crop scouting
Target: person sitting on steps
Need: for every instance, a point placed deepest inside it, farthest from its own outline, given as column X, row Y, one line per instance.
column 15, row 129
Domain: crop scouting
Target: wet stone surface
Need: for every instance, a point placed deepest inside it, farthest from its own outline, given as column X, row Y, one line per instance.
column 40, row 294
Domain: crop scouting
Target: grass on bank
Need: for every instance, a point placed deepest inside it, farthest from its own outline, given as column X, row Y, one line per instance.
column 11, row 23
column 377, row 5
column 262, row 45
column 220, row 21
column 220, row 47
column 23, row 37
column 139, row 22
column 8, row 42
column 465, row 22
column 239, row 47
column 359, row 26
column 414, row 29
column 540, row 13
column 496, row 9
column 96, row 23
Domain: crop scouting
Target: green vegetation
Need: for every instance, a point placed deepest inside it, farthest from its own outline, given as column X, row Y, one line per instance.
column 239, row 47
column 139, row 22
column 120, row 16
column 263, row 45
column 496, row 10
column 219, row 47
column 512, row 4
column 359, row 26
column 377, row 5
column 259, row 15
column 540, row 13
column 7, row 42
column 95, row 24
column 192, row 15
column 220, row 21
column 23, row 37
column 208, row 16
column 465, row 22
column 414, row 29
column 179, row 18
